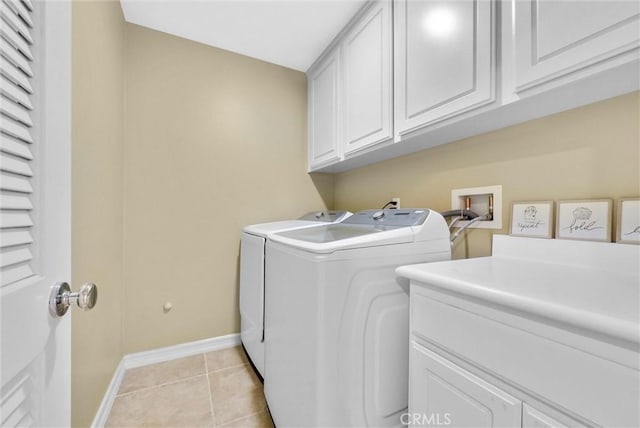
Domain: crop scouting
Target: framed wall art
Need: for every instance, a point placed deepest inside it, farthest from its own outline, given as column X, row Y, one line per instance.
column 588, row 220
column 628, row 224
column 532, row 219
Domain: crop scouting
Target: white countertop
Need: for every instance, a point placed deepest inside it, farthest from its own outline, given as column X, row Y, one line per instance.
column 594, row 286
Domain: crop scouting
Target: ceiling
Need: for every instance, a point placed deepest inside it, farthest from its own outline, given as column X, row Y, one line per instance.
column 291, row 33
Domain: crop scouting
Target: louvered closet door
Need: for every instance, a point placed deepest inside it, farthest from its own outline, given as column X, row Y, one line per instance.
column 16, row 141
column 34, row 211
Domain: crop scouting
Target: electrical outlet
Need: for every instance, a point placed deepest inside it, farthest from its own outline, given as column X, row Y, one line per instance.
column 478, row 200
column 397, row 201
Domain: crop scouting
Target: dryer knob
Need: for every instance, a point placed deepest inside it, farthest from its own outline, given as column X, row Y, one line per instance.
column 378, row 215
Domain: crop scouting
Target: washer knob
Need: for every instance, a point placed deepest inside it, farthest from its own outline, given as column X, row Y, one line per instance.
column 378, row 215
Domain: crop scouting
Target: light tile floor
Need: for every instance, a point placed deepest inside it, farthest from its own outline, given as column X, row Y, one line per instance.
column 217, row 389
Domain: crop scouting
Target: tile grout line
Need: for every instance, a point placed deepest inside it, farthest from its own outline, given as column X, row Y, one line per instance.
column 227, row 368
column 243, row 417
column 206, row 371
column 160, row 385
column 209, row 379
column 259, row 389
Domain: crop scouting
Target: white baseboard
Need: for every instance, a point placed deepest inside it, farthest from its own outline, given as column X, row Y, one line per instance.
column 154, row 356
column 109, row 397
column 168, row 353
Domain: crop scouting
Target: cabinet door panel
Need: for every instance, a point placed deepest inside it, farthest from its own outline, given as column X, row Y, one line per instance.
column 441, row 393
column 555, row 38
column 323, row 112
column 367, row 79
column 532, row 418
column 439, row 66
column 444, row 59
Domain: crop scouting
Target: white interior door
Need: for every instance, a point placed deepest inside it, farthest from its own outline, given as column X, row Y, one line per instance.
column 35, row 126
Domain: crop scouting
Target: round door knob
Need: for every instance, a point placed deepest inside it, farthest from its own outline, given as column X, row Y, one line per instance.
column 87, row 296
column 378, row 215
column 61, row 298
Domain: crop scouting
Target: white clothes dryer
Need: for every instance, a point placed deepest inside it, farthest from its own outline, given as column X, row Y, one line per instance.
column 252, row 261
column 337, row 321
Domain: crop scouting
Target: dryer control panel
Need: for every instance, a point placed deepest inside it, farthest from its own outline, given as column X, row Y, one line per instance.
column 390, row 217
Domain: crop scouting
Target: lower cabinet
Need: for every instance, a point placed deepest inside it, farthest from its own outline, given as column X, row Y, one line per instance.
column 442, row 393
column 479, row 359
column 532, row 418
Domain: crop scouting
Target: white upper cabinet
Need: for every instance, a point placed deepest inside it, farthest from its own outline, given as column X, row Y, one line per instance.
column 405, row 75
column 444, row 59
column 324, row 118
column 350, row 90
column 367, row 65
column 556, row 38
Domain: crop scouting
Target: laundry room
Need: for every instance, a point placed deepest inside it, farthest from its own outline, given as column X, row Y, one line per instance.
column 191, row 153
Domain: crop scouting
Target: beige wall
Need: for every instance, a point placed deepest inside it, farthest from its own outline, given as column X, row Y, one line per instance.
column 97, row 116
column 214, row 141
column 589, row 152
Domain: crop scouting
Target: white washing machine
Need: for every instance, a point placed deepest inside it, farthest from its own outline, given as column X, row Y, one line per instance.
column 252, row 262
column 337, row 321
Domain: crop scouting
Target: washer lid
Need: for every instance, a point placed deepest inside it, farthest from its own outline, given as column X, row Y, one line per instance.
column 371, row 228
column 332, row 233
column 278, row 226
column 314, row 218
column 333, row 237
